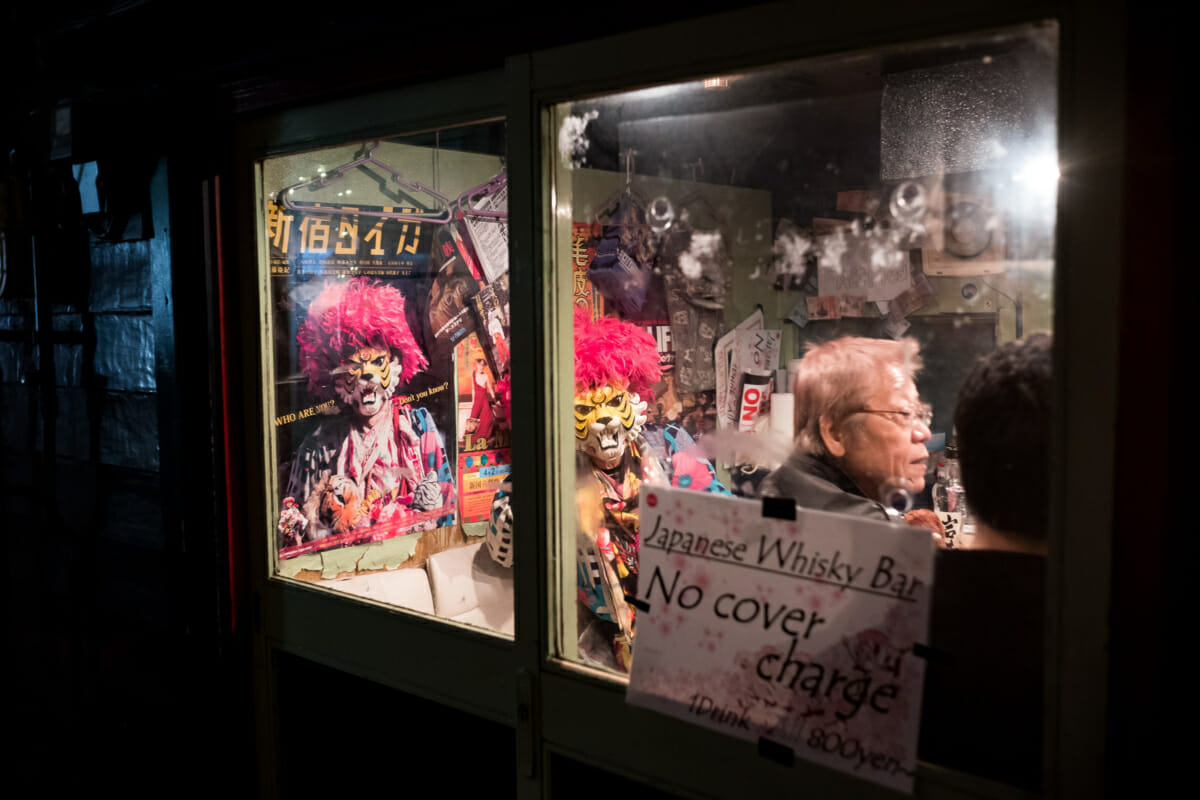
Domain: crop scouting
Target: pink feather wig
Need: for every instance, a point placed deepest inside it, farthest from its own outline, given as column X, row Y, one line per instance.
column 611, row 351
column 347, row 317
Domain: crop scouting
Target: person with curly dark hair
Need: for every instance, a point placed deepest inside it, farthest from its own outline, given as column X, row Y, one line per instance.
column 983, row 689
column 1002, row 422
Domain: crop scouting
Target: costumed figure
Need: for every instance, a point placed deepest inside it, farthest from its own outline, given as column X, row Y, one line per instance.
column 499, row 535
column 616, row 363
column 378, row 462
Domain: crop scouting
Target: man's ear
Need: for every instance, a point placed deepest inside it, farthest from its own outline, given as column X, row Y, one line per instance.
column 833, row 435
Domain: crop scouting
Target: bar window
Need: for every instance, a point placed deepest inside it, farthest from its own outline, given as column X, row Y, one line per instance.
column 386, row 281
column 792, row 281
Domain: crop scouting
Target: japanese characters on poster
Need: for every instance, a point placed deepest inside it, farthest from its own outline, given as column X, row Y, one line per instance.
column 583, row 294
column 368, row 310
column 799, row 632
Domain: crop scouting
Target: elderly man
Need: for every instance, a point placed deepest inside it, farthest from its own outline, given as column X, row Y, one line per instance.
column 860, row 428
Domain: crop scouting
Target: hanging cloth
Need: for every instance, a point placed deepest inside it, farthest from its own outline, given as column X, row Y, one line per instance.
column 695, row 267
column 620, row 270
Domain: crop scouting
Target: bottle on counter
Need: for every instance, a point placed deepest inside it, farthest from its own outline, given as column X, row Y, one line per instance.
column 950, row 499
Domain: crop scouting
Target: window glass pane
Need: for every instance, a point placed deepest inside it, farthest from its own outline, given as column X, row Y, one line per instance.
column 781, row 280
column 387, row 273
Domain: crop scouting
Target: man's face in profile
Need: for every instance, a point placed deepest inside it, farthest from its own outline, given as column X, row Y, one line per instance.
column 882, row 443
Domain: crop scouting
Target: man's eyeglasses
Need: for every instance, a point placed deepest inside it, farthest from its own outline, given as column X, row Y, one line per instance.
column 922, row 414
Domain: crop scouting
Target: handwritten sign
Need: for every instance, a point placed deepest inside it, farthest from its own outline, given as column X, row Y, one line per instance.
column 800, row 632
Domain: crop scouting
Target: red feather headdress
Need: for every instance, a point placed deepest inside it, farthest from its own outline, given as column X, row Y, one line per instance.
column 611, row 351
column 347, row 317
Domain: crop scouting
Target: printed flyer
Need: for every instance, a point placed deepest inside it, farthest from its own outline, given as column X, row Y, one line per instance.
column 490, row 307
column 480, row 474
column 483, row 442
column 488, row 235
column 799, row 632
column 362, row 403
column 455, row 285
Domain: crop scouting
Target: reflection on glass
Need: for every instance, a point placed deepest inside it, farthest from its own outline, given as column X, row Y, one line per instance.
column 388, row 270
column 818, row 254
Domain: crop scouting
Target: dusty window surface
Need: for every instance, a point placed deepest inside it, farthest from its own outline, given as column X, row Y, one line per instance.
column 387, row 268
column 812, row 281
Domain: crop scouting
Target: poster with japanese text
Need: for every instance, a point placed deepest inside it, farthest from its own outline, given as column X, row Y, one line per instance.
column 799, row 632
column 583, row 294
column 365, row 410
column 483, row 443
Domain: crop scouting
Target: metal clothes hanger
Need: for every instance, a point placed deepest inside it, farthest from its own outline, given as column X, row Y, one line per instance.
column 466, row 201
column 698, row 200
column 440, row 214
column 609, row 207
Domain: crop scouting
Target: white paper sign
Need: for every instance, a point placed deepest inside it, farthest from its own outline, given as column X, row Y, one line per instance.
column 490, row 235
column 723, row 355
column 800, row 632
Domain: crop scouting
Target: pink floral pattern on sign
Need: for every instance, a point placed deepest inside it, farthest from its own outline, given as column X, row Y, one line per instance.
column 798, row 632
